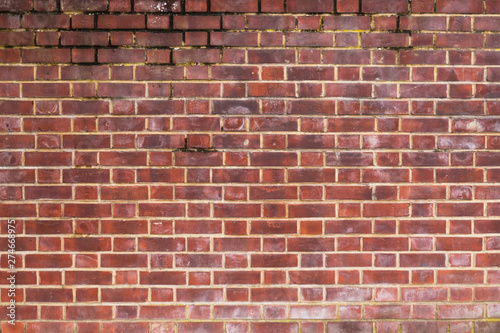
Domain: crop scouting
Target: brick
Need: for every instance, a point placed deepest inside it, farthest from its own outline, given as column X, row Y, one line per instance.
column 233, row 38
column 271, row 22
column 121, row 22
column 312, row 312
column 111, row 55
column 348, row 260
column 423, row 91
column 311, row 107
column 387, row 311
column 121, row 90
column 90, row 5
column 456, row 6
column 272, row 6
column 346, row 22
column 239, row 6
column 385, row 74
column 459, row 175
column 382, row 209
column 46, row 90
column 196, row 56
column 459, row 311
column 423, row 260
column 312, row 277
column 14, row 6
column 89, row 312
column 196, row 6
column 17, row 210
column 10, row 55
column 459, row 40
column 84, row 38
column 271, row 56
column 349, row 327
column 309, row 39
column 237, row 210
column 423, row 57
column 157, row 6
column 159, row 38
column 315, row 6
column 50, row 260
column 378, row 6
column 452, row 209
column 384, row 40
column 435, row 125
column 197, row 22
column 451, row 107
column 235, row 73
column 307, row 73
column 43, row 21
column 18, row 73
column 423, row 23
column 274, row 295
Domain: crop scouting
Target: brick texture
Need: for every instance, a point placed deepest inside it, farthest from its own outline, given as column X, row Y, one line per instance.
column 251, row 165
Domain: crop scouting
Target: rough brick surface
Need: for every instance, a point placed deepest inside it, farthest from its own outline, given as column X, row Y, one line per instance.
column 251, row 165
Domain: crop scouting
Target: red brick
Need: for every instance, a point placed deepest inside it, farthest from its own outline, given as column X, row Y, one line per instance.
column 238, row 6
column 84, row 38
column 46, row 90
column 347, row 6
column 121, row 21
column 463, row 209
column 312, row 277
column 10, row 55
column 387, row 311
column 460, row 311
column 121, row 90
column 271, row 22
column 200, row 56
column 315, row 6
column 89, row 312
column 91, row 5
column 457, row 6
column 385, row 277
column 196, row 22
column 312, row 210
column 87, row 210
column 349, row 260
column 196, row 5
column 158, row 38
column 459, row 40
column 157, row 6
column 309, row 39
column 274, row 295
column 312, row 312
column 90, row 278
column 44, row 21
column 379, row 6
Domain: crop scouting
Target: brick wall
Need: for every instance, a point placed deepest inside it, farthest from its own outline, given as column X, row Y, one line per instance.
column 251, row 166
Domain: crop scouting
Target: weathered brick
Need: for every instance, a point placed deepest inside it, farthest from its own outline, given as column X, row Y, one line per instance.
column 456, row 6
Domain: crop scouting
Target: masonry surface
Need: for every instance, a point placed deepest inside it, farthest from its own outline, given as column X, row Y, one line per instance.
column 251, row 165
